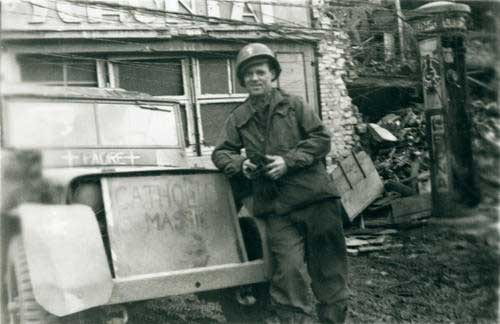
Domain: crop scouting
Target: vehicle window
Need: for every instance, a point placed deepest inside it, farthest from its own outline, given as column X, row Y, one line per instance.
column 35, row 124
column 126, row 125
column 156, row 77
column 48, row 124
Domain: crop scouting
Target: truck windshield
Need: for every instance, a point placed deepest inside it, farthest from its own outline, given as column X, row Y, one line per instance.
column 43, row 124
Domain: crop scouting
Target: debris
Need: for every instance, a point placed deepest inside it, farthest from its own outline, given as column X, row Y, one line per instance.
column 357, row 242
column 392, row 121
column 357, row 183
column 411, row 208
column 400, row 161
column 352, row 252
column 365, row 249
column 384, row 201
column 399, row 212
column 388, row 231
column 370, row 232
column 402, row 189
column 381, row 134
column 370, row 241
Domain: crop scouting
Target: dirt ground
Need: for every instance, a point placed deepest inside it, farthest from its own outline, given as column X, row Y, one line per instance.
column 438, row 276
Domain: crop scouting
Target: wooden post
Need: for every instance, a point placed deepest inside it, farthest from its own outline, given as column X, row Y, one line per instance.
column 440, row 29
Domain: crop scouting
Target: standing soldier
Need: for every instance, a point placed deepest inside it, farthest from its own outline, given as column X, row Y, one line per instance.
column 285, row 144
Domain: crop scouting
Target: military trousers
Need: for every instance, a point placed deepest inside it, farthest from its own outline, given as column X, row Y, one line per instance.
column 308, row 249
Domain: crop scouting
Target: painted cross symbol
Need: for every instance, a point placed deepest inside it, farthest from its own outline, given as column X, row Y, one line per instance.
column 132, row 157
column 70, row 158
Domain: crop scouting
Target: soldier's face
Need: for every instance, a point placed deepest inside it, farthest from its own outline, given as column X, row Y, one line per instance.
column 258, row 79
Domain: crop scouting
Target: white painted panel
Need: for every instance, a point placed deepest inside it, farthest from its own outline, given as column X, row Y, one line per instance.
column 292, row 78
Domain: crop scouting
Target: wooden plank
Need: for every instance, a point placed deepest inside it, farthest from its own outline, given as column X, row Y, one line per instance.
column 349, row 174
column 171, row 222
column 405, row 211
column 357, row 182
column 358, row 241
column 381, row 134
column 365, row 249
column 407, row 206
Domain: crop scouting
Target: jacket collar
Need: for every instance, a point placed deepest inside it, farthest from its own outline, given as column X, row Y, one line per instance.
column 276, row 105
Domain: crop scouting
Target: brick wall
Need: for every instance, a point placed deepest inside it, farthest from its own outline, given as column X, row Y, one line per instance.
column 339, row 114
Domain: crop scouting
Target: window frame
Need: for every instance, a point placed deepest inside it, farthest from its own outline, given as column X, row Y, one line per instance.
column 6, row 121
column 64, row 62
column 202, row 99
column 216, row 96
column 184, row 100
column 114, row 71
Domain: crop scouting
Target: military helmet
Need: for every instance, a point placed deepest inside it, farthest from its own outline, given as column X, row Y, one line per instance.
column 249, row 53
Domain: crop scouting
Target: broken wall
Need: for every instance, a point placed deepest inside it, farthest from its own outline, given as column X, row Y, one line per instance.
column 338, row 112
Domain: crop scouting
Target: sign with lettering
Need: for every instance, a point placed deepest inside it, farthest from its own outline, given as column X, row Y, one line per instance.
column 114, row 157
column 64, row 15
column 170, row 222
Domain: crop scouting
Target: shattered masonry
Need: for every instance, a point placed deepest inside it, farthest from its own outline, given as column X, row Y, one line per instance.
column 338, row 112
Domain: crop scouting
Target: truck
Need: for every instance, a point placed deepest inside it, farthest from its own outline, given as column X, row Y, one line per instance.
column 101, row 209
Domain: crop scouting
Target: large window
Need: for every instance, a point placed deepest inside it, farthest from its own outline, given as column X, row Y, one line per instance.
column 213, row 116
column 217, row 94
column 160, row 77
column 217, row 76
column 58, row 71
column 214, row 75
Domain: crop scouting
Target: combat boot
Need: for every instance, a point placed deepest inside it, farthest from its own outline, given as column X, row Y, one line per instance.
column 332, row 313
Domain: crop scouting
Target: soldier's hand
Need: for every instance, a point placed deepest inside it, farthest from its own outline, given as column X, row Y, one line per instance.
column 276, row 168
column 248, row 169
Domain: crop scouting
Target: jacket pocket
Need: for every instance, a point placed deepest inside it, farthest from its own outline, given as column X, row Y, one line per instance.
column 284, row 133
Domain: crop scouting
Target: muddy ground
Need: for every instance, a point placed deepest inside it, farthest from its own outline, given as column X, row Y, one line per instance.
column 438, row 276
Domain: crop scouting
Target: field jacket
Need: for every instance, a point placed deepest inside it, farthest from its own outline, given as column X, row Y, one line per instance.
column 294, row 132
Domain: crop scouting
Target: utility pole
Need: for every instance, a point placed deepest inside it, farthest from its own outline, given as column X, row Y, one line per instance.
column 399, row 14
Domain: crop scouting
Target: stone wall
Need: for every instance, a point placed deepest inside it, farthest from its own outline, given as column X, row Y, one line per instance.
column 339, row 114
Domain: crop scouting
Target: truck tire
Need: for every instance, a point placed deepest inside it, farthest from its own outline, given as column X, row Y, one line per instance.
column 22, row 306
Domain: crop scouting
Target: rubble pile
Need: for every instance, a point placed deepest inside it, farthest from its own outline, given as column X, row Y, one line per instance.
column 398, row 147
column 376, row 68
column 486, row 146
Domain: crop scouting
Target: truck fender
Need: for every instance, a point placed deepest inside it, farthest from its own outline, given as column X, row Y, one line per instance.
column 254, row 234
column 66, row 258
